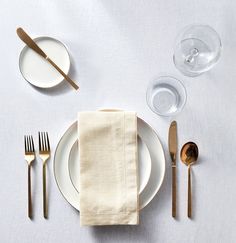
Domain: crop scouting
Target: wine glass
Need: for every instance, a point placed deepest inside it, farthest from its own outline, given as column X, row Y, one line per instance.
column 197, row 50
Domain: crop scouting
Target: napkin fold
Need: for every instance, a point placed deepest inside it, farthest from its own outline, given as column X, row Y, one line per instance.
column 108, row 168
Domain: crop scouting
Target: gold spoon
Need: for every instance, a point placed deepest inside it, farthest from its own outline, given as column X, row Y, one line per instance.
column 189, row 155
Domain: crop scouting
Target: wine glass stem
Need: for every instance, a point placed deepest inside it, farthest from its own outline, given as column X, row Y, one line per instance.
column 192, row 54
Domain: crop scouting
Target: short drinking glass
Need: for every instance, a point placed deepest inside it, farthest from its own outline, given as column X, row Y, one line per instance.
column 166, row 96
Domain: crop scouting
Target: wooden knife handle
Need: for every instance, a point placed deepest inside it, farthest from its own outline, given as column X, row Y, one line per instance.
column 173, row 191
column 67, row 78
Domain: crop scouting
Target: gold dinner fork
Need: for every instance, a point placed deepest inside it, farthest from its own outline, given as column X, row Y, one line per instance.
column 44, row 154
column 29, row 157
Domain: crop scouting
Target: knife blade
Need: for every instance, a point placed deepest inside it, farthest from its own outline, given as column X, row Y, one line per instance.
column 172, row 141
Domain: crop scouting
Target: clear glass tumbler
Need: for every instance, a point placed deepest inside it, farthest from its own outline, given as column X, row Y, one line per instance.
column 166, row 96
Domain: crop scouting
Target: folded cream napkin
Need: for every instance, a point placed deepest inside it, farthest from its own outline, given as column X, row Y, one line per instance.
column 108, row 168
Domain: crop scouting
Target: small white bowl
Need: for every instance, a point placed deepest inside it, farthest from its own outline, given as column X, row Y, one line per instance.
column 36, row 70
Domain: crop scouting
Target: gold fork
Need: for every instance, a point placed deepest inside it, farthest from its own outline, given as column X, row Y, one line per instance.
column 29, row 157
column 44, row 154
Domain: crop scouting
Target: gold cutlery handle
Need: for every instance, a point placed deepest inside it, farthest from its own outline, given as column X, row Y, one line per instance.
column 67, row 78
column 173, row 191
column 189, row 193
column 29, row 193
column 45, row 209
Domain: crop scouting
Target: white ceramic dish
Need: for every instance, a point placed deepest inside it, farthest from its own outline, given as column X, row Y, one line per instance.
column 36, row 70
column 149, row 137
column 144, row 164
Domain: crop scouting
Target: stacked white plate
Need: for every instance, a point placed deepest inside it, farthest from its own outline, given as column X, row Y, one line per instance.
column 151, row 164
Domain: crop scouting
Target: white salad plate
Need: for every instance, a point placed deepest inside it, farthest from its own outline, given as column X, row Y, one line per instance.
column 66, row 166
column 38, row 71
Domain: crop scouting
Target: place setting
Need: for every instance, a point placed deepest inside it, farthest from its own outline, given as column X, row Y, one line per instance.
column 109, row 164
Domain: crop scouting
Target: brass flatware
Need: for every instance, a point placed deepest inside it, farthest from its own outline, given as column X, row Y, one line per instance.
column 44, row 154
column 29, row 157
column 172, row 141
column 189, row 155
column 32, row 44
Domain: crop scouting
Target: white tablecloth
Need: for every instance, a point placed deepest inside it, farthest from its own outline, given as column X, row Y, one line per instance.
column 117, row 48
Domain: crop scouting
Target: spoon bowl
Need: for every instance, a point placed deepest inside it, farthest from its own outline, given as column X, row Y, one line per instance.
column 189, row 153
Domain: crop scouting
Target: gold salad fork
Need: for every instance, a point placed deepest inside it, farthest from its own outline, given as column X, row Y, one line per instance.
column 29, row 157
column 44, row 154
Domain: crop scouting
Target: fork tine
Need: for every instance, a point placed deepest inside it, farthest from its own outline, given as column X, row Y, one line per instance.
column 42, row 143
column 45, row 142
column 48, row 142
column 29, row 144
column 40, row 147
column 32, row 143
column 25, row 143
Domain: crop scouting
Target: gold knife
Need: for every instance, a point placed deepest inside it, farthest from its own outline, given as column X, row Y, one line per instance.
column 31, row 44
column 173, row 151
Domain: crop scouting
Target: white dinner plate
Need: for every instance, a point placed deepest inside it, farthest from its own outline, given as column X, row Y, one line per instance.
column 36, row 70
column 144, row 164
column 148, row 136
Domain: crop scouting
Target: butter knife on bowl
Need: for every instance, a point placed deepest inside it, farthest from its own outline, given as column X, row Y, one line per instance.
column 32, row 44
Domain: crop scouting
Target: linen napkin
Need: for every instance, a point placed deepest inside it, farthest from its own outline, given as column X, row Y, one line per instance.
column 108, row 168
